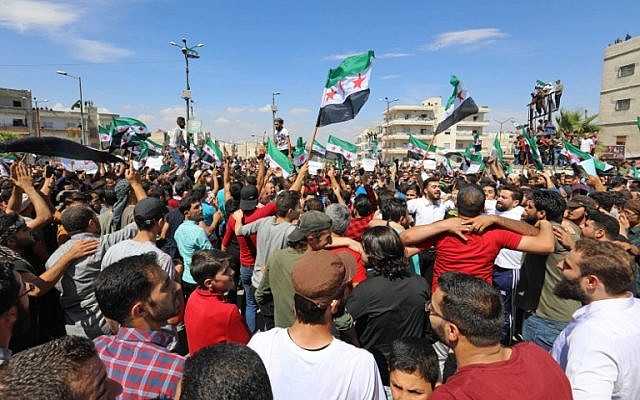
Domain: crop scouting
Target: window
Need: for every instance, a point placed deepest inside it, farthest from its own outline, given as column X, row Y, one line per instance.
column 47, row 125
column 475, row 117
column 424, row 116
column 459, row 145
column 18, row 122
column 407, row 116
column 474, row 131
column 447, row 133
column 621, row 140
column 626, row 70
column 17, row 103
column 623, row 105
column 423, row 131
column 446, row 145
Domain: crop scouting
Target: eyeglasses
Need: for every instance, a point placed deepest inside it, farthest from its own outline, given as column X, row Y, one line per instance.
column 428, row 308
column 27, row 287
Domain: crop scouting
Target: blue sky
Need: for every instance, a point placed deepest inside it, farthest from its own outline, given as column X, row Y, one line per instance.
column 121, row 50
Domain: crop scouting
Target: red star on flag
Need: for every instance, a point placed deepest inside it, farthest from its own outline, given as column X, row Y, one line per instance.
column 357, row 83
column 329, row 95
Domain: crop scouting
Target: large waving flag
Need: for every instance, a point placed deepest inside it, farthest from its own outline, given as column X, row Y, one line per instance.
column 498, row 153
column 277, row 158
column 124, row 130
column 419, row 149
column 211, row 149
column 459, row 106
column 574, row 154
column 299, row 152
column 346, row 89
column 338, row 146
column 533, row 149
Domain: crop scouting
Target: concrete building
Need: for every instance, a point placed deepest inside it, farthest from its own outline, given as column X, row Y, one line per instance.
column 17, row 115
column 421, row 121
column 366, row 140
column 620, row 96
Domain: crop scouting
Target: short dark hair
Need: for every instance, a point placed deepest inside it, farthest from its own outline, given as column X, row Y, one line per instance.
column 604, row 200
column 363, row 205
column 393, row 209
column 413, row 354
column 285, row 201
column 47, row 371
column 385, row 252
column 470, row 201
column 516, row 193
column 123, row 283
column 431, row 179
column 551, row 202
column 77, row 218
column 473, row 306
column 186, row 202
column 313, row 204
column 110, row 197
column 610, row 225
column 207, row 264
column 609, row 262
column 307, row 311
column 9, row 287
column 225, row 372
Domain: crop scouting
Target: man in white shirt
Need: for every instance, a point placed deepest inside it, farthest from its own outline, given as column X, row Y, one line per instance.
column 587, row 145
column 281, row 137
column 305, row 360
column 429, row 208
column 506, row 273
column 176, row 139
column 600, row 348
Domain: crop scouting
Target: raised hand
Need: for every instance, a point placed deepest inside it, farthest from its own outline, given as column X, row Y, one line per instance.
column 20, row 176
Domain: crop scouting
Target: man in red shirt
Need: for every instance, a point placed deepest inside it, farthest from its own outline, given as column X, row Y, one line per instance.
column 472, row 250
column 208, row 318
column 363, row 213
column 466, row 314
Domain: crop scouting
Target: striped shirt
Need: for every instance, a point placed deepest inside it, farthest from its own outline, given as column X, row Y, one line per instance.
column 140, row 362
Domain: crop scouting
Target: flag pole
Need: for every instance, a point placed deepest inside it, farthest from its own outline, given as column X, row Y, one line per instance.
column 313, row 139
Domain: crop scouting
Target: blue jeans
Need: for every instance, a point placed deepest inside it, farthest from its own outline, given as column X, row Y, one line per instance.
column 542, row 331
column 251, row 307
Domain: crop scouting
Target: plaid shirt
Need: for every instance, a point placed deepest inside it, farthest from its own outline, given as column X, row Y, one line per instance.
column 139, row 361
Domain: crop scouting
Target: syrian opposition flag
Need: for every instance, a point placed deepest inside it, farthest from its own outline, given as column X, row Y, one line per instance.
column 533, row 149
column 575, row 155
column 277, row 158
column 211, row 149
column 459, row 106
column 300, row 155
column 105, row 135
column 124, row 130
column 346, row 89
column 318, row 149
column 419, row 149
column 338, row 146
column 498, row 153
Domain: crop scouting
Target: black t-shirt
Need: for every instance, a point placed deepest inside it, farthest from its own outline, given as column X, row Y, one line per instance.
column 385, row 310
column 174, row 218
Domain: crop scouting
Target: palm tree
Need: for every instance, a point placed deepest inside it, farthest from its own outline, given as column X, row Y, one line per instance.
column 576, row 122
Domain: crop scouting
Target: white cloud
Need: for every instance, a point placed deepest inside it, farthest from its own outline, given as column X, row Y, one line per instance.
column 148, row 119
column 221, row 121
column 298, row 110
column 23, row 15
column 394, row 55
column 232, row 109
column 265, row 108
column 467, row 37
column 96, row 51
column 104, row 110
column 59, row 107
column 341, row 56
column 390, row 76
column 167, row 116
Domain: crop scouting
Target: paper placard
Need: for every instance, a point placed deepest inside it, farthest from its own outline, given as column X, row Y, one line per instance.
column 473, row 169
column 369, row 164
column 315, row 166
column 79, row 165
column 429, row 164
column 154, row 163
column 194, row 125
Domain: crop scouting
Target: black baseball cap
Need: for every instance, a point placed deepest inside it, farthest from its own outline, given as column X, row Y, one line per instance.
column 149, row 209
column 248, row 198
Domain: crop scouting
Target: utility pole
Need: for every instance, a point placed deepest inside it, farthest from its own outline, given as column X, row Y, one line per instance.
column 510, row 119
column 274, row 110
column 35, row 100
column 83, row 139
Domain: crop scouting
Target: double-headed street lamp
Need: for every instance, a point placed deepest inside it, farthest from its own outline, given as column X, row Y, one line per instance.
column 510, row 119
column 82, row 125
column 386, row 100
column 187, row 52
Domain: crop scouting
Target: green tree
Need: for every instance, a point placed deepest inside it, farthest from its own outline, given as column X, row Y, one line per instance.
column 576, row 122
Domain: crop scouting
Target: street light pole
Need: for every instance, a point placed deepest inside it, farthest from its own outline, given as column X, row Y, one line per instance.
column 274, row 110
column 82, row 124
column 510, row 119
column 35, row 100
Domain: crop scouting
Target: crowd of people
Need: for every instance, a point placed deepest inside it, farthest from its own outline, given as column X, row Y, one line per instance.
column 237, row 282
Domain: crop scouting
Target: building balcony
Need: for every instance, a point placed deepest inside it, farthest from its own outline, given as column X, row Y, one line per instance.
column 472, row 123
column 410, row 122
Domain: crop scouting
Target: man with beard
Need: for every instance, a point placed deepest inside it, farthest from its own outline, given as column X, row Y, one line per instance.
column 545, row 313
column 506, row 273
column 429, row 208
column 136, row 293
column 466, row 314
column 600, row 348
column 190, row 237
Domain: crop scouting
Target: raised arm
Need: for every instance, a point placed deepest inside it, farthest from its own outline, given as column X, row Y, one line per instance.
column 23, row 180
column 482, row 222
column 302, row 175
column 51, row 276
column 261, row 168
column 134, row 180
column 419, row 234
column 542, row 243
column 226, row 180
